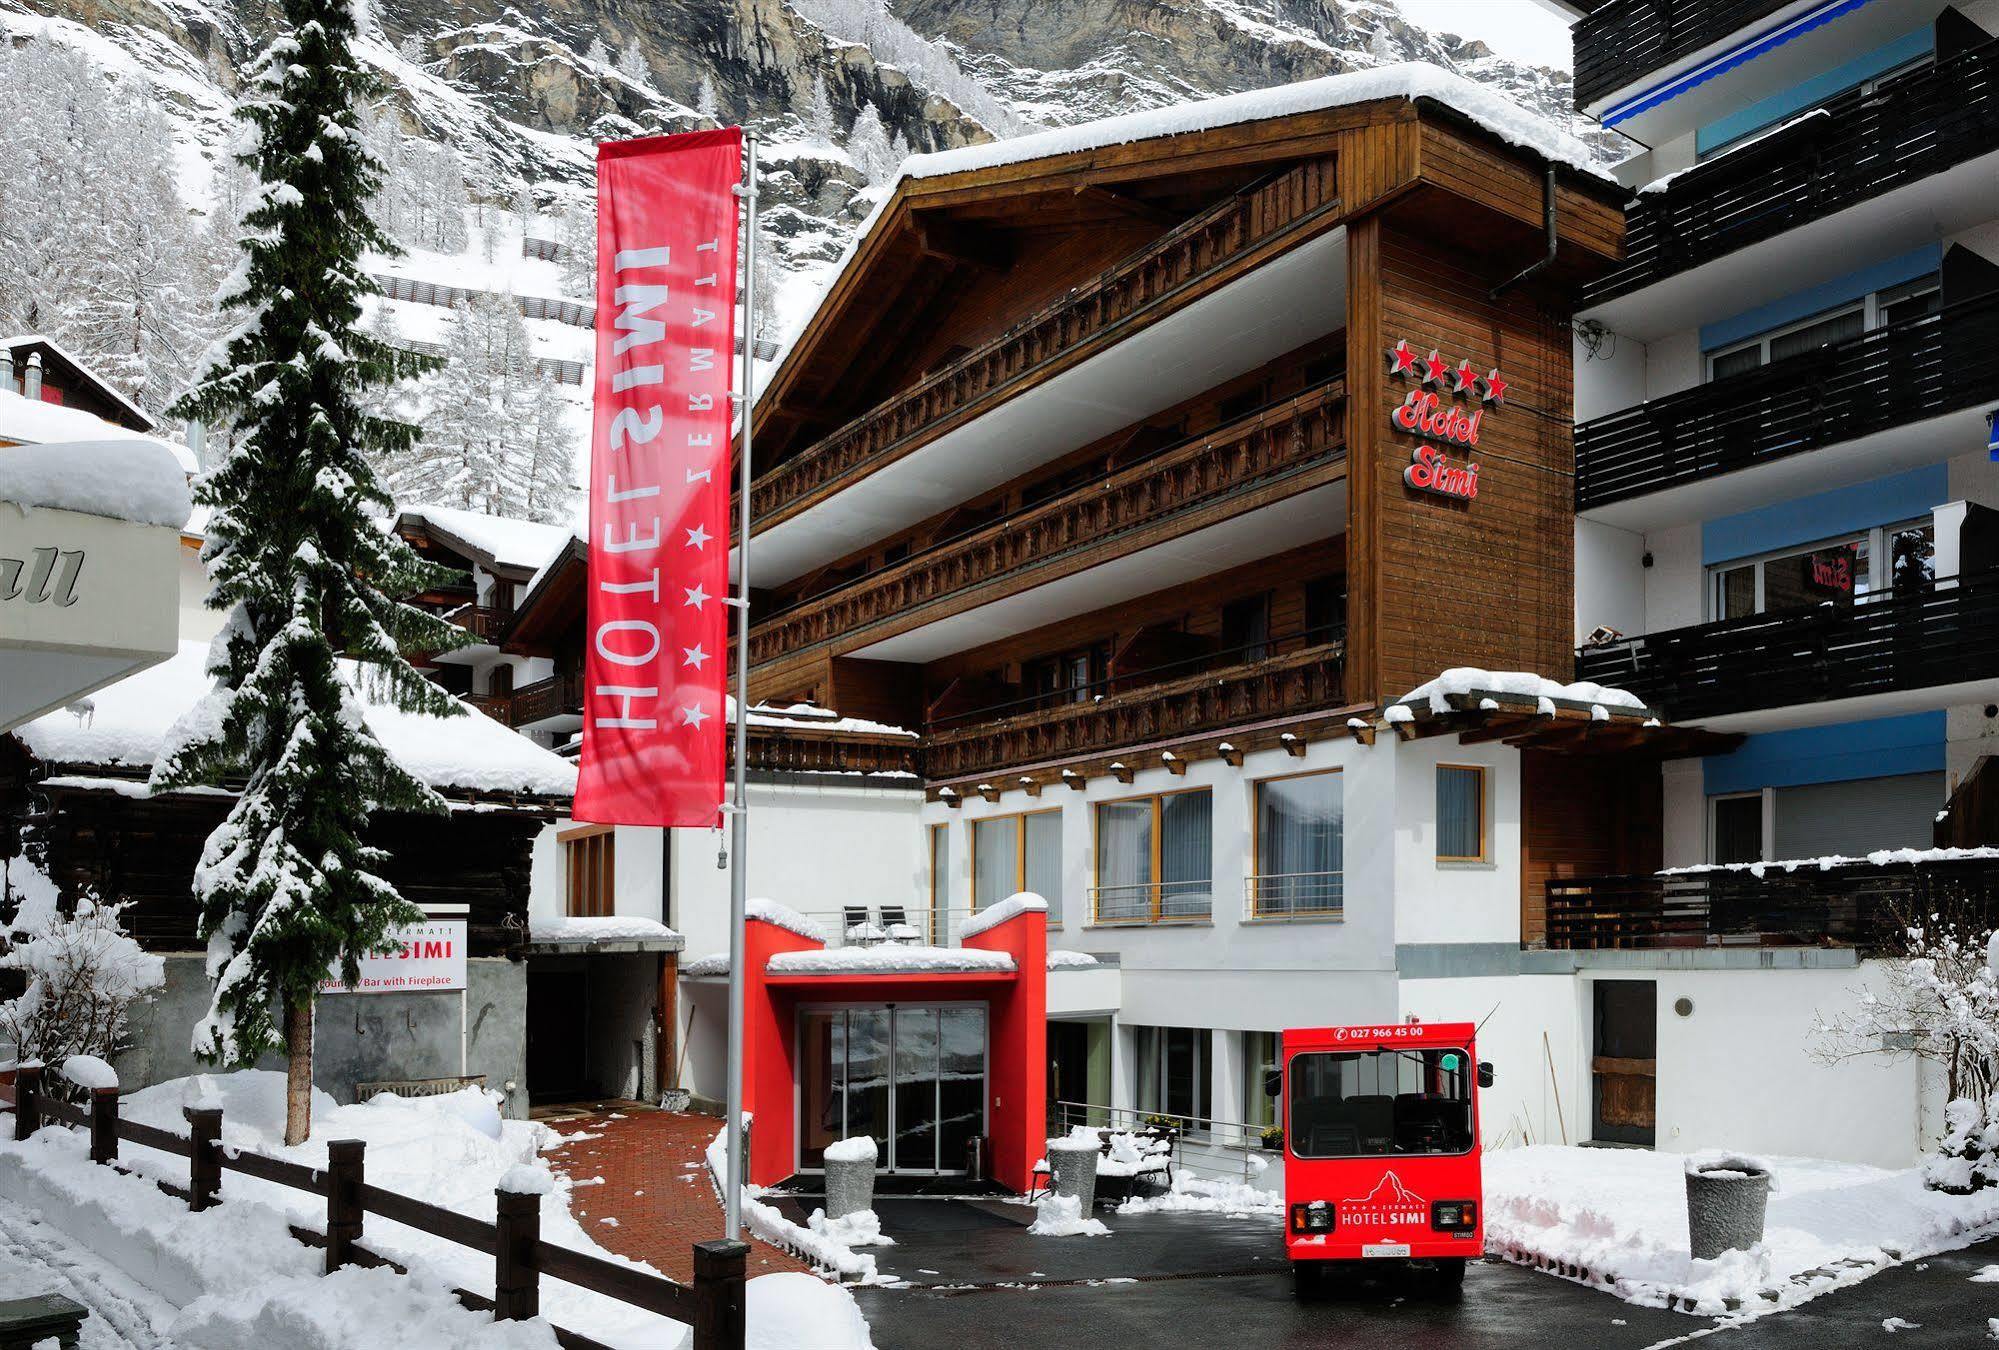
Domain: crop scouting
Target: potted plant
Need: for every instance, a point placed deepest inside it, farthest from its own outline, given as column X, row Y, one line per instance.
column 1273, row 1138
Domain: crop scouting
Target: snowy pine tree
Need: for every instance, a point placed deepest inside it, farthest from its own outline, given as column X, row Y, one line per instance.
column 705, row 101
column 288, row 888
column 817, row 114
column 868, row 144
column 578, row 257
column 632, row 66
column 597, row 53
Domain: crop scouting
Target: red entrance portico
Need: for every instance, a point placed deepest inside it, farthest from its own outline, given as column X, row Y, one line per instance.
column 931, row 1046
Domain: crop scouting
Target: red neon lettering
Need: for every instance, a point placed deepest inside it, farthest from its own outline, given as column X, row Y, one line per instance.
column 1430, row 471
column 1423, row 413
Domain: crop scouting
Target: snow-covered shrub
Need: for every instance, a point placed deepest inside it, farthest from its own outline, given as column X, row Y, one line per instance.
column 84, row 975
column 1940, row 1003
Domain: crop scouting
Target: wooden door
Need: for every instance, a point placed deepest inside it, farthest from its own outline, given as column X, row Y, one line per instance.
column 1624, row 1062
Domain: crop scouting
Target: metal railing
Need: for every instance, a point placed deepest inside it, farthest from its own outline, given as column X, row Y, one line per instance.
column 1204, row 1145
column 1295, row 895
column 1152, row 902
column 889, row 925
column 1624, row 40
column 1853, row 148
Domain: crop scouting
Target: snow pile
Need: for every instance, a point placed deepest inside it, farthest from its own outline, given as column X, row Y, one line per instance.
column 1130, row 1155
column 128, row 723
column 507, row 542
column 598, row 928
column 860, row 1148
column 889, row 958
column 1620, row 1216
column 862, row 1228
column 823, row 1249
column 1063, row 959
column 1023, row 902
column 1199, row 1195
column 351, row 1309
column 785, row 917
column 715, row 963
column 1464, row 681
column 1062, row 1216
column 137, row 480
column 792, row 1311
column 89, row 1072
column 84, row 974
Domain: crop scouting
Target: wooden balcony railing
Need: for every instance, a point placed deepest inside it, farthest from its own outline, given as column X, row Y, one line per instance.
column 1852, row 904
column 1856, row 147
column 1254, row 452
column 1626, row 39
column 1890, row 377
column 552, row 697
column 1210, row 700
column 1940, row 634
column 777, row 752
column 1128, row 295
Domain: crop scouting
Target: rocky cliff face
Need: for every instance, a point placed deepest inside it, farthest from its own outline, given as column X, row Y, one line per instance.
column 522, row 94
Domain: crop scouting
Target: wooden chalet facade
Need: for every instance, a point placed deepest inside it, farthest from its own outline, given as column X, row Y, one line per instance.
column 1087, row 462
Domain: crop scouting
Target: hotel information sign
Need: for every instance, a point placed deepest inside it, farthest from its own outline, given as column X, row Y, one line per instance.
column 425, row 958
column 1432, row 409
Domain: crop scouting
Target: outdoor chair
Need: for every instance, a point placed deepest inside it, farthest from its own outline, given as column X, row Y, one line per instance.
column 858, row 930
column 896, row 926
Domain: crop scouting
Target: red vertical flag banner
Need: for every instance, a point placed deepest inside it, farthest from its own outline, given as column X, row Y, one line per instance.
column 655, row 655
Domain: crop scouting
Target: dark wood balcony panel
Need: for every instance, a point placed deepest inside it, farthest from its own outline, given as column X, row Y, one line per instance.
column 553, row 697
column 1859, row 904
column 1858, row 146
column 1151, row 283
column 1890, row 377
column 1212, row 700
column 778, row 752
column 1945, row 634
column 1219, row 466
column 1625, row 40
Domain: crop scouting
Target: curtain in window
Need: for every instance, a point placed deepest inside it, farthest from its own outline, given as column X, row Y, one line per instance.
column 1186, row 854
column 1044, row 860
column 1459, row 812
column 1124, row 860
column 1299, row 845
column 995, row 860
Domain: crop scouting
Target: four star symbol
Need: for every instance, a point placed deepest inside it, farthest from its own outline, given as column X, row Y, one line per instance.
column 1434, row 369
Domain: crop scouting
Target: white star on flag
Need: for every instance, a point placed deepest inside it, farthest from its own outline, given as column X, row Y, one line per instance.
column 695, row 595
column 697, row 536
column 695, row 656
column 693, row 717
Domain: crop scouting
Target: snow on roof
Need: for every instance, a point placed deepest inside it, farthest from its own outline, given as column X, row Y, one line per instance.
column 125, row 724
column 813, row 717
column 1410, row 80
column 889, row 958
column 1468, row 680
column 785, row 917
column 1879, row 858
column 82, row 367
column 992, row 916
column 525, row 544
column 597, row 928
column 32, row 420
column 1060, row 958
column 136, row 479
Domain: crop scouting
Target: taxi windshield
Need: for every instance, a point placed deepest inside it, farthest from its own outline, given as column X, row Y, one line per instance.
column 1374, row 1103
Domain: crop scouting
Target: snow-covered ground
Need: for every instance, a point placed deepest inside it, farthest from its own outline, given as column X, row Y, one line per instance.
column 234, row 1276
column 1617, row 1218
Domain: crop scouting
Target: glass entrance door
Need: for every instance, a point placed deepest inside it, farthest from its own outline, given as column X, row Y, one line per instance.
column 911, row 1078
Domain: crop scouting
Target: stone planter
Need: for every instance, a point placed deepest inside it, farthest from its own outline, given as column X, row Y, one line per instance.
column 1725, row 1205
column 1075, row 1168
column 850, row 1177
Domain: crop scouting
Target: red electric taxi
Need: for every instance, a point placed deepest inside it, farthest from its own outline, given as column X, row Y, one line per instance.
column 1381, row 1147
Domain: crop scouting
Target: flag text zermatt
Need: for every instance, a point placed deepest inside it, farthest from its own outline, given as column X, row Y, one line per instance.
column 653, row 713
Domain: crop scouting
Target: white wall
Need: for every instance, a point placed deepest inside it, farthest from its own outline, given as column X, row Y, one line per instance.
column 197, row 622
column 1609, row 378
column 1452, row 901
column 1538, row 1085
column 1673, row 582
column 1684, row 838
column 1610, row 579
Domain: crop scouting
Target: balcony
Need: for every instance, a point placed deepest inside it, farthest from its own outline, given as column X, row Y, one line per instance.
column 1625, row 40
column 1179, row 702
column 1943, row 635
column 1858, row 146
column 1294, row 895
column 775, row 751
column 1891, row 377
column 1153, row 902
column 1089, row 522
column 1189, row 260
column 1854, row 903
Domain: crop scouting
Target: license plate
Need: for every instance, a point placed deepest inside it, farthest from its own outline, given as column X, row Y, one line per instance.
column 1385, row 1249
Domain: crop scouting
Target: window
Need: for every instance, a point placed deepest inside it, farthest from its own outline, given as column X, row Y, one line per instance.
column 1325, row 608
column 1299, row 846
column 589, row 863
column 1261, row 1053
column 1735, row 828
column 1812, row 820
column 1368, row 1103
column 1071, row 677
column 1893, row 304
column 1018, row 853
column 1173, row 1072
column 1246, row 628
column 1899, row 558
column 1460, row 813
column 1155, row 858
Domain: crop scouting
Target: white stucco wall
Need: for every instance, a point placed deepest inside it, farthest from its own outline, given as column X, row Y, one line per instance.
column 1673, row 597
column 1456, row 902
column 1610, row 579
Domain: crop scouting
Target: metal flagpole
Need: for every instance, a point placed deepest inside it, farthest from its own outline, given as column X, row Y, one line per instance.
column 739, row 819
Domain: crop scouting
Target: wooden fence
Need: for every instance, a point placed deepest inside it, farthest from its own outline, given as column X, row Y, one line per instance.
column 712, row 1305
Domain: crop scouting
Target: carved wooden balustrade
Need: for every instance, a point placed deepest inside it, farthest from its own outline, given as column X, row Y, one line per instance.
column 779, row 752
column 1213, row 700
column 1256, row 451
column 1142, row 287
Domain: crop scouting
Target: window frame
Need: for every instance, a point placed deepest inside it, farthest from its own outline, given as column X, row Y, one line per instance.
column 1484, row 854
column 1765, row 823
column 597, row 844
column 1256, row 913
column 1019, row 855
column 1869, row 307
column 940, row 881
column 1879, row 576
column 1158, row 916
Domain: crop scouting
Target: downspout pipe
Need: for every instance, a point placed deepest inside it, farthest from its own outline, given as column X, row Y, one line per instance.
column 1548, row 225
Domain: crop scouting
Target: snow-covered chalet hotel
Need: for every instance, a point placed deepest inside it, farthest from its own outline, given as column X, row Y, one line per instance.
column 1785, row 534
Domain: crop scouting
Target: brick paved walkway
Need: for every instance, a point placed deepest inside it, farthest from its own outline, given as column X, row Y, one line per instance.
column 655, row 1185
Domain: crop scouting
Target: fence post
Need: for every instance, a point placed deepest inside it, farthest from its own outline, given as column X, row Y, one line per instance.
column 204, row 1156
column 104, row 1125
column 516, row 1269
column 346, row 1161
column 718, row 1294
column 27, row 1100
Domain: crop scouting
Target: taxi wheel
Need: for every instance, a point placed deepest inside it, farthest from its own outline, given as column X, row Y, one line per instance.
column 1305, row 1282
column 1450, row 1276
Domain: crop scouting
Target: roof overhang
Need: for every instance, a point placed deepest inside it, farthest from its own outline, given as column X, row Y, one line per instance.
column 1561, row 726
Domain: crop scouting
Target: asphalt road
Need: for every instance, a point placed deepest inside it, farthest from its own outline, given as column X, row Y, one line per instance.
column 982, row 1284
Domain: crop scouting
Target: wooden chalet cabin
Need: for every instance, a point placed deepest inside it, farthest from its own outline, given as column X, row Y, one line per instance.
column 1087, row 460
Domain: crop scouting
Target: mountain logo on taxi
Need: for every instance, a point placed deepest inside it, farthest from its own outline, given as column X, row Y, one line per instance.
column 1389, row 1204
